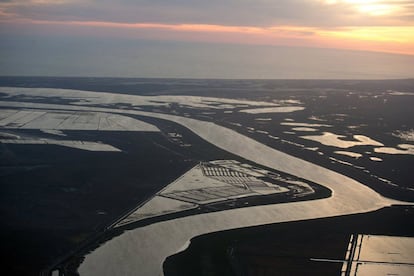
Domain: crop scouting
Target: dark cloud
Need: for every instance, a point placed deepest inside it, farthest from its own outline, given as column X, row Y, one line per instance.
column 229, row 12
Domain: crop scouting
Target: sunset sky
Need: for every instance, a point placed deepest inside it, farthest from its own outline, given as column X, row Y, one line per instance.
column 192, row 38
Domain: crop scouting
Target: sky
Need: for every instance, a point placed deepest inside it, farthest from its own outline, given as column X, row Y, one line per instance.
column 320, row 39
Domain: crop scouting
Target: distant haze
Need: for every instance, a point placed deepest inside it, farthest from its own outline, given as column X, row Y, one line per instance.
column 138, row 58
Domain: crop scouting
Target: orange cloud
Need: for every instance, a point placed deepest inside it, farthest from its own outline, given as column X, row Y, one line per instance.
column 392, row 39
column 172, row 27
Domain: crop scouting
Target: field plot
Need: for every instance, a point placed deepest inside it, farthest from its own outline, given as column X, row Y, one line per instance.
column 379, row 255
column 83, row 145
column 216, row 182
column 70, row 120
column 55, row 122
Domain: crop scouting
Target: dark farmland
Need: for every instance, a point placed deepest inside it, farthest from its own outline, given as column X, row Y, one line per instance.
column 54, row 198
column 286, row 248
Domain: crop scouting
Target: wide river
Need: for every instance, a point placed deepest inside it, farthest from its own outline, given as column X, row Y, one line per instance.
column 142, row 251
